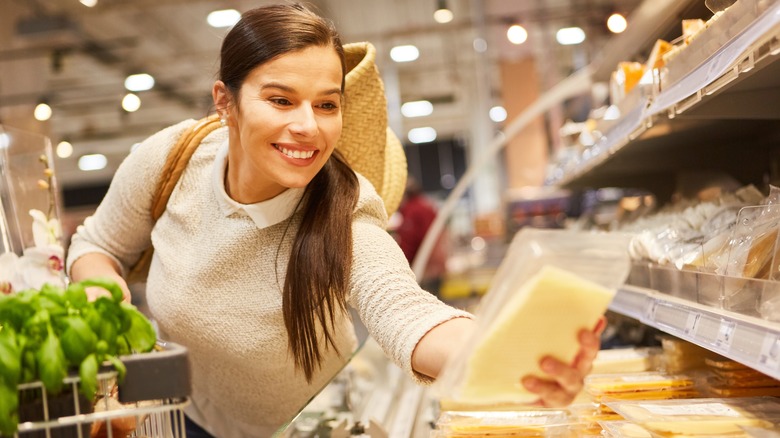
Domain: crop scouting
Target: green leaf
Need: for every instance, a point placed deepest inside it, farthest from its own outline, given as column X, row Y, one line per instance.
column 140, row 335
column 52, row 366
column 9, row 405
column 10, row 357
column 119, row 366
column 88, row 374
column 108, row 284
column 76, row 295
column 77, row 340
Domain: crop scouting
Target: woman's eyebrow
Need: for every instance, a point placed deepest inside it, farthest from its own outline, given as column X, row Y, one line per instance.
column 289, row 89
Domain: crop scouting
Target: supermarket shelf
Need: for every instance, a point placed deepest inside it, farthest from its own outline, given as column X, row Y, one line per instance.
column 694, row 107
column 752, row 341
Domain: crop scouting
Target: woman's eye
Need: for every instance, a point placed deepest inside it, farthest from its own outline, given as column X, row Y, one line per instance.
column 329, row 106
column 280, row 101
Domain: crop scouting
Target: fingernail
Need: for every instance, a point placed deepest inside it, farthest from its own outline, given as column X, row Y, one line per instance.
column 548, row 365
column 529, row 383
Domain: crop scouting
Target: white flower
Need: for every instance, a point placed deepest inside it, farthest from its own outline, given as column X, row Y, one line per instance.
column 42, row 264
column 45, row 231
column 9, row 270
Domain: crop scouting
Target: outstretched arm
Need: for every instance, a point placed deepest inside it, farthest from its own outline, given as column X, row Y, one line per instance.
column 564, row 381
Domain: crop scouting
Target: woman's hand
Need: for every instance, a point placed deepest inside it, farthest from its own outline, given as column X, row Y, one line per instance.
column 566, row 381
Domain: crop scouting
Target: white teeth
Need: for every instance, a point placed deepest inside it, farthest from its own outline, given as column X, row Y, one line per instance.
column 295, row 154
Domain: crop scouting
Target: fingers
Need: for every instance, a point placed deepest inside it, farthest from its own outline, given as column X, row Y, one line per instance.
column 564, row 384
column 550, row 393
column 95, row 292
column 589, row 347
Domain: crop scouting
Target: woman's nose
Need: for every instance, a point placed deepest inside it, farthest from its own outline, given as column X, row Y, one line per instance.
column 304, row 122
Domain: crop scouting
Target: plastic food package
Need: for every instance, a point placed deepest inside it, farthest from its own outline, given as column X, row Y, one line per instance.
column 551, row 284
column 624, row 429
column 710, row 417
column 639, row 386
column 538, row 423
column 625, row 360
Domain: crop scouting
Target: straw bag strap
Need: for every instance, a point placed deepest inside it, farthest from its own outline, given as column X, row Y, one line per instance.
column 177, row 161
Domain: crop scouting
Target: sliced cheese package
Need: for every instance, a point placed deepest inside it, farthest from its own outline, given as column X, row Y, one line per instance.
column 550, row 285
column 704, row 417
column 625, row 360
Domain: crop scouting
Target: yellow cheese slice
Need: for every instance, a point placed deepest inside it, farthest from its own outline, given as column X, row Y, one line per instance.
column 542, row 318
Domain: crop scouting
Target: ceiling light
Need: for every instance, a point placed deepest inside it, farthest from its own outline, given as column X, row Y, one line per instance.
column 139, row 82
column 418, row 108
column 480, row 45
column 64, row 149
column 497, row 114
column 88, row 3
column 42, row 112
column 92, row 162
column 223, row 18
column 442, row 14
column 404, row 53
column 131, row 102
column 569, row 36
column 516, row 34
column 422, row 135
column 616, row 23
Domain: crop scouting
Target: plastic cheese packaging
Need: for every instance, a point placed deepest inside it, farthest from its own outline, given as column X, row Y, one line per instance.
column 624, row 360
column 544, row 317
column 550, row 285
column 501, row 423
column 710, row 417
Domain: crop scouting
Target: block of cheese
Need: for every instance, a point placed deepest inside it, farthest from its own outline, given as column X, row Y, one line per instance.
column 542, row 318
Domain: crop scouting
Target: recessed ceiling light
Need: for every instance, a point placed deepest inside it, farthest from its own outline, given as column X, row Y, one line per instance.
column 616, row 23
column 569, row 36
column 497, row 114
column 223, row 18
column 419, row 108
column 139, row 82
column 516, row 34
column 422, row 135
column 64, row 149
column 92, row 162
column 42, row 112
column 404, row 53
column 131, row 102
column 88, row 3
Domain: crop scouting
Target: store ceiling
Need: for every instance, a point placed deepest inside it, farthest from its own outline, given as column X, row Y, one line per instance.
column 77, row 58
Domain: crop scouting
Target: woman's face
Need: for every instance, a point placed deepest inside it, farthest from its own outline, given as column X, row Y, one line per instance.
column 286, row 124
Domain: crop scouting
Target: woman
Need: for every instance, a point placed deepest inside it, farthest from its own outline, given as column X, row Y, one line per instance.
column 269, row 235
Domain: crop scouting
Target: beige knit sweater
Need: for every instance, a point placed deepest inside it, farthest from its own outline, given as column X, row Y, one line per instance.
column 215, row 285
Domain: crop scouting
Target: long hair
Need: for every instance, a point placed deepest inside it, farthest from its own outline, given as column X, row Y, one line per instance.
column 318, row 271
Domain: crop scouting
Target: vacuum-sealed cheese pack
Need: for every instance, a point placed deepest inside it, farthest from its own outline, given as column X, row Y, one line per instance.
column 550, row 285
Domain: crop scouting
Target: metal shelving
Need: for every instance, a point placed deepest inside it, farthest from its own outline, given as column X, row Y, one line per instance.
column 752, row 341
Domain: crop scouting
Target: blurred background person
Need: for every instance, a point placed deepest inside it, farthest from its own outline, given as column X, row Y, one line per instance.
column 417, row 212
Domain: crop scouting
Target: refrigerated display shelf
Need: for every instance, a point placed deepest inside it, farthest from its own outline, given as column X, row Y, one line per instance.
column 749, row 33
column 751, row 341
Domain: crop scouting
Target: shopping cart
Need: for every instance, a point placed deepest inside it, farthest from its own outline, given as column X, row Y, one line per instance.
column 147, row 403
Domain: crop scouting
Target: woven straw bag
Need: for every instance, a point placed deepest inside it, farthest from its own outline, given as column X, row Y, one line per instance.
column 369, row 146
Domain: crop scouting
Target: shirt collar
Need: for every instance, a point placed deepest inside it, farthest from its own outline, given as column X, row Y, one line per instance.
column 263, row 214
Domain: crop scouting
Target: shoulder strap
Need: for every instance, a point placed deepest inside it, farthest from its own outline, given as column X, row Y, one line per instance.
column 177, row 161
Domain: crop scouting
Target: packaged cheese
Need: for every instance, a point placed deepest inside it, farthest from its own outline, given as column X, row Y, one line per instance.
column 625, row 360
column 551, row 285
column 710, row 417
column 542, row 422
column 656, row 58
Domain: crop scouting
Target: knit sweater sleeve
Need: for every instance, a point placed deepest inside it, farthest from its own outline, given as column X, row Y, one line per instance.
column 392, row 306
column 121, row 226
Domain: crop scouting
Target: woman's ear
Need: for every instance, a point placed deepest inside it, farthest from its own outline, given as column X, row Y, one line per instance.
column 222, row 99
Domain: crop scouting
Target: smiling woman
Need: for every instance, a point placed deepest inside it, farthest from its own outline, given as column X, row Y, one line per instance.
column 276, row 225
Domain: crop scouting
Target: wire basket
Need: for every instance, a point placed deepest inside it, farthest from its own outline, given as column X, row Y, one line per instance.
column 148, row 403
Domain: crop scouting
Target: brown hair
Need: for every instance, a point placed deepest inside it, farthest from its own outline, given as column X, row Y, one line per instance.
column 318, row 271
